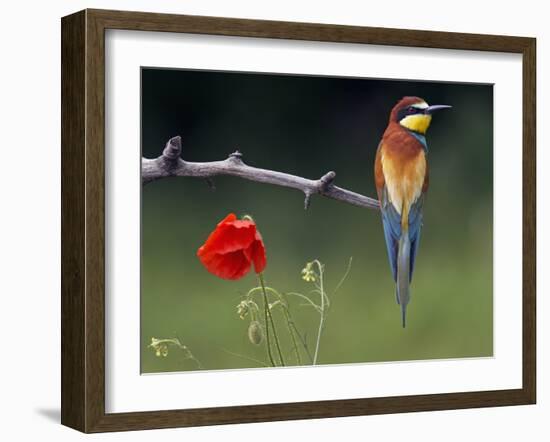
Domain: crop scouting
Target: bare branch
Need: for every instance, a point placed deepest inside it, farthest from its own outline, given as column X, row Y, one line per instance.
column 170, row 164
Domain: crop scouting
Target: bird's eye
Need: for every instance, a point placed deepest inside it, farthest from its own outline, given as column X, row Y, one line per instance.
column 411, row 110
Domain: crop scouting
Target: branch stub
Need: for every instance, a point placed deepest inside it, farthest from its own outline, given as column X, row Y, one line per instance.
column 172, row 150
column 326, row 180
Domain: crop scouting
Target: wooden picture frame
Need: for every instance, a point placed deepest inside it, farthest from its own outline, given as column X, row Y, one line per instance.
column 83, row 220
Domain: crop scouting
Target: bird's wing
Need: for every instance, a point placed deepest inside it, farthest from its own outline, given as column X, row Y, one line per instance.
column 391, row 221
column 415, row 227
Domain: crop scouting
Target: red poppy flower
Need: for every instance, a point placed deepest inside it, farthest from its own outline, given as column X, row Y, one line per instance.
column 232, row 248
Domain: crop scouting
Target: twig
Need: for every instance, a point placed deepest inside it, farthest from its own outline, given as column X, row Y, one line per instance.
column 170, row 164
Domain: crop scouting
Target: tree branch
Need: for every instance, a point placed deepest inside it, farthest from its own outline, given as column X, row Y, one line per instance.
column 170, row 164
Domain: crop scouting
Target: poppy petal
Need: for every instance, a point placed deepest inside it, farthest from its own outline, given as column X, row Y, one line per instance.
column 233, row 265
column 228, row 237
column 229, row 218
column 258, row 254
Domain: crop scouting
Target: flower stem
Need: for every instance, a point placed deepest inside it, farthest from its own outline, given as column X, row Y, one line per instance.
column 268, row 314
column 293, row 331
column 267, row 339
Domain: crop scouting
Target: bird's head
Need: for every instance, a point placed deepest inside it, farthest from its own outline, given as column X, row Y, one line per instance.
column 414, row 113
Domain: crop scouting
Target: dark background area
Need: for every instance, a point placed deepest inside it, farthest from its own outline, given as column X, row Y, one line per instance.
column 307, row 126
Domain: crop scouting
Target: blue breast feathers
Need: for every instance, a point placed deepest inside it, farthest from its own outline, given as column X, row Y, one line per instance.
column 420, row 138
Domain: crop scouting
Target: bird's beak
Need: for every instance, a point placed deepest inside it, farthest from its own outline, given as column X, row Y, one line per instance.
column 431, row 109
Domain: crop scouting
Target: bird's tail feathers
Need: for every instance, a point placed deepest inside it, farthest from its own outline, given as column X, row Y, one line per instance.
column 403, row 273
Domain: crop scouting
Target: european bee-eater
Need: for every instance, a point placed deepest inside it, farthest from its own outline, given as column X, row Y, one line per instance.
column 401, row 178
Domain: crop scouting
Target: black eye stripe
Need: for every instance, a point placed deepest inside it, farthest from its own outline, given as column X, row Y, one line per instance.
column 409, row 110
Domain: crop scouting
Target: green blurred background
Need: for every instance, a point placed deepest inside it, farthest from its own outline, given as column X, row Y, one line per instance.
column 307, row 126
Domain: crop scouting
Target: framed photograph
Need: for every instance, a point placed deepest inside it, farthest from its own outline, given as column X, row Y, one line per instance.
column 269, row 220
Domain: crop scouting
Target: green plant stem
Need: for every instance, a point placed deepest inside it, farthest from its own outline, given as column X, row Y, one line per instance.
column 268, row 314
column 322, row 320
column 262, row 363
column 291, row 332
column 303, row 342
column 199, row 365
column 289, row 322
column 267, row 339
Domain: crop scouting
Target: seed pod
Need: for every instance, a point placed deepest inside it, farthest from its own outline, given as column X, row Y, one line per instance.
column 255, row 333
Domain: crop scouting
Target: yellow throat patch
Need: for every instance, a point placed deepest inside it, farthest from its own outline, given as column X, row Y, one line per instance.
column 417, row 123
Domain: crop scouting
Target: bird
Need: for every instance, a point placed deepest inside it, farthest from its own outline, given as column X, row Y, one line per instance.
column 401, row 179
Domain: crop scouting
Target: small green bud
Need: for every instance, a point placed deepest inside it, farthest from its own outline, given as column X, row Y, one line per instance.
column 255, row 333
column 308, row 274
column 243, row 309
